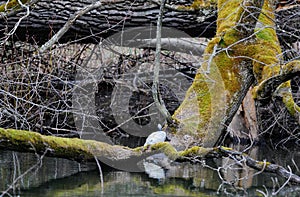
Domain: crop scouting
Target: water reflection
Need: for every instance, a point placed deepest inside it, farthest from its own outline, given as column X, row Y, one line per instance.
column 215, row 177
column 116, row 183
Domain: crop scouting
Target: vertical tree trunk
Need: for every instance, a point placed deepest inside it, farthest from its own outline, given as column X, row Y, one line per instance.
column 242, row 46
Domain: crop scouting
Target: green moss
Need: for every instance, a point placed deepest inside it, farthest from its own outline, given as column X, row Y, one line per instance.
column 263, row 163
column 267, row 47
column 255, row 92
column 199, row 4
column 291, row 67
column 13, row 4
column 196, row 107
column 231, row 36
column 204, row 99
column 290, row 104
column 138, row 149
column 226, row 148
column 221, row 76
column 217, row 78
column 23, row 139
column 228, row 15
column 166, row 148
column 264, row 52
column 195, row 151
column 265, row 35
column 71, row 148
column 230, row 72
column 267, row 15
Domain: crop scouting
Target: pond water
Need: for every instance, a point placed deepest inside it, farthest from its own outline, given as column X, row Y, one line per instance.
column 26, row 175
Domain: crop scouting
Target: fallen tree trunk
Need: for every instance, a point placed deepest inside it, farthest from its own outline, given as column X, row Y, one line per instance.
column 47, row 17
column 89, row 150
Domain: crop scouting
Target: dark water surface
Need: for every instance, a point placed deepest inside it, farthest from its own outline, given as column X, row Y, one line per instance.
column 216, row 177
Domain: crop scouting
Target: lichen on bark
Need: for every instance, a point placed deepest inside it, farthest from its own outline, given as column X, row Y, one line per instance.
column 211, row 101
column 273, row 76
column 246, row 42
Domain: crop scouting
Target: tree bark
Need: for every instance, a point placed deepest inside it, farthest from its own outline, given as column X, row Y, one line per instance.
column 239, row 49
column 222, row 81
column 47, row 17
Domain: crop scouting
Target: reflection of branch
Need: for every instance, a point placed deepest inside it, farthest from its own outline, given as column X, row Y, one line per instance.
column 35, row 166
column 100, row 174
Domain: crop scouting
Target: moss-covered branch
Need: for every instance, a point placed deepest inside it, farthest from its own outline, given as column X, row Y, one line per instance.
column 70, row 148
column 265, row 89
column 285, row 93
column 83, row 150
column 245, row 43
column 86, row 150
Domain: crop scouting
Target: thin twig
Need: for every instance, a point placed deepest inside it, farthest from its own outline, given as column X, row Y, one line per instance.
column 11, row 32
column 68, row 24
column 285, row 183
column 15, row 11
column 155, row 87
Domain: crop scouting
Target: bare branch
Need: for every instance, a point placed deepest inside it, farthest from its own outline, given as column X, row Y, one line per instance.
column 68, row 24
column 155, row 87
column 259, row 165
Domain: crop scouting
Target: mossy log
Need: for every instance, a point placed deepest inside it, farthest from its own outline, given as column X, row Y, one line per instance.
column 85, row 150
column 89, row 150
